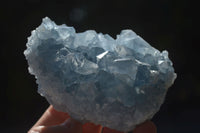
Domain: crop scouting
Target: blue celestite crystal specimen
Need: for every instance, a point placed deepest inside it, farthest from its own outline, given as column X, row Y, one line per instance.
column 118, row 83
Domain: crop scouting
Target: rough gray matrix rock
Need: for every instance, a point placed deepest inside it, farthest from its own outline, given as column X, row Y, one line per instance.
column 118, row 83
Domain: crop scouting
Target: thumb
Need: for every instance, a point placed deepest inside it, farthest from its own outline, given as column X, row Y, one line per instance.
column 69, row 126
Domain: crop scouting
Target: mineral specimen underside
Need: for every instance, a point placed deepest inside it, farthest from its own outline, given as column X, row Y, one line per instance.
column 118, row 83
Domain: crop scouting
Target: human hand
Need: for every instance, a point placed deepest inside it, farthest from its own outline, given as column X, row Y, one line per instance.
column 53, row 121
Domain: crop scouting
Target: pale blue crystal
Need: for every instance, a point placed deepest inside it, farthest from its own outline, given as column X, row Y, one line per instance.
column 118, row 83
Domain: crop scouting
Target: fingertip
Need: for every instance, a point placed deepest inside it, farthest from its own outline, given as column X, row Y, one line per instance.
column 108, row 130
column 73, row 126
column 91, row 128
column 71, row 123
column 69, row 126
column 56, row 113
column 51, row 117
column 38, row 129
column 146, row 127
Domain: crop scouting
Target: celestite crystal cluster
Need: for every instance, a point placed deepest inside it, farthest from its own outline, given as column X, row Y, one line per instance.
column 118, row 83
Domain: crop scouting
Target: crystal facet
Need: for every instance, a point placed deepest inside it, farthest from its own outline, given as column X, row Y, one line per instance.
column 118, row 83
